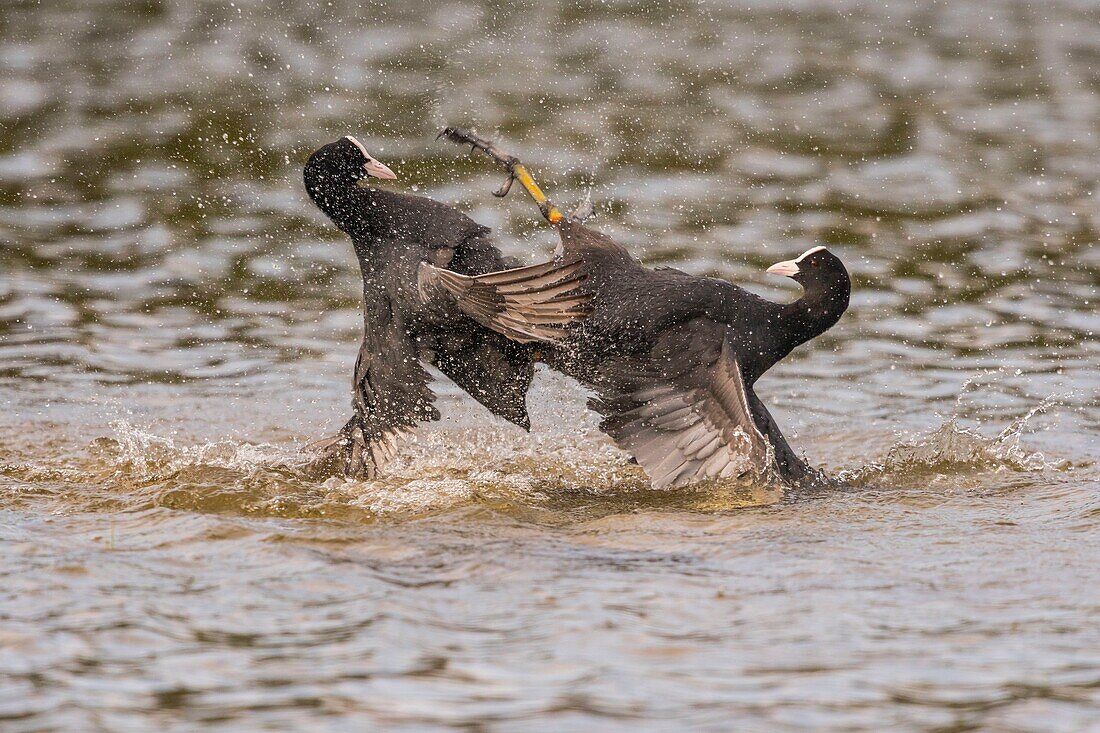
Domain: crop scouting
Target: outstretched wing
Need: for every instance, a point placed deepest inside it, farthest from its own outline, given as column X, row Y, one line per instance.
column 526, row 304
column 682, row 409
column 391, row 394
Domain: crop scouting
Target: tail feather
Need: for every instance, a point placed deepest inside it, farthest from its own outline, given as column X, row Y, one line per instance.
column 527, row 304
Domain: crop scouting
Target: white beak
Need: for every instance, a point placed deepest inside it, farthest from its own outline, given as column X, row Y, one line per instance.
column 787, row 268
column 378, row 170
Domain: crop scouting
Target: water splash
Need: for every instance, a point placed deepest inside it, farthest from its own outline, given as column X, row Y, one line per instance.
column 144, row 455
column 954, row 449
column 443, row 469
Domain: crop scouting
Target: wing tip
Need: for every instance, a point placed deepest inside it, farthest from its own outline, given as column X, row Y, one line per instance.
column 526, row 304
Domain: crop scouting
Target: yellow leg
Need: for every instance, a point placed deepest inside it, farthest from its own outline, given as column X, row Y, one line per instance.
column 515, row 169
column 551, row 212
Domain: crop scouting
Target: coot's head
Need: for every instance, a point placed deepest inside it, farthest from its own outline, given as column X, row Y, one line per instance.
column 347, row 159
column 814, row 266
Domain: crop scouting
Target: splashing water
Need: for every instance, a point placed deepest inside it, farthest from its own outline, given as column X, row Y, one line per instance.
column 952, row 449
column 439, row 470
column 446, row 469
column 497, row 580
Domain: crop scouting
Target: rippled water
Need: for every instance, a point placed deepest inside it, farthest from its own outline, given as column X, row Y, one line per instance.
column 176, row 319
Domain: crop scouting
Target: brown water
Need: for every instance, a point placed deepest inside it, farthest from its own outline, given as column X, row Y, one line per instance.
column 176, row 319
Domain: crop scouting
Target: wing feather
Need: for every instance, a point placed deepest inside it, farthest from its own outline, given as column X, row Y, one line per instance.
column 682, row 409
column 526, row 304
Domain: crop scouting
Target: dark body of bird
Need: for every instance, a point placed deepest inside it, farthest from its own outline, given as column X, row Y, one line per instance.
column 673, row 357
column 669, row 353
column 394, row 234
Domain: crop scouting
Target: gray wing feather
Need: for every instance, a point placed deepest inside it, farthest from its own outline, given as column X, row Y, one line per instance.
column 391, row 395
column 526, row 304
column 682, row 411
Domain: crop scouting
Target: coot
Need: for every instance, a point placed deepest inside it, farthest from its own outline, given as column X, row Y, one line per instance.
column 405, row 245
column 672, row 357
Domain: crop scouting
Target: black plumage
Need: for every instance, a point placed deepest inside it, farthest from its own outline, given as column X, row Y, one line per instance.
column 406, row 246
column 673, row 358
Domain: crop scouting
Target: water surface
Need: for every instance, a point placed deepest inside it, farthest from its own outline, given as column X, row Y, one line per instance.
column 176, row 320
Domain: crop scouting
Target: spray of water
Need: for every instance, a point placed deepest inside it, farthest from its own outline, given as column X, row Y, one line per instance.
column 446, row 468
column 953, row 449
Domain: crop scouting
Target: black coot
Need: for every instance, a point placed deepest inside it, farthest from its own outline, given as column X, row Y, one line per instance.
column 673, row 357
column 408, row 247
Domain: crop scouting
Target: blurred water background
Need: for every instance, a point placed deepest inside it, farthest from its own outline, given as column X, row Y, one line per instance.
column 176, row 319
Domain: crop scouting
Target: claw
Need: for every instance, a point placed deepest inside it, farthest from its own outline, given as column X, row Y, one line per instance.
column 464, row 137
column 460, row 136
column 505, row 187
column 516, row 170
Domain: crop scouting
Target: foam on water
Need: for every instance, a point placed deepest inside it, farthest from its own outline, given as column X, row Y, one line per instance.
column 446, row 469
column 161, row 262
column 442, row 469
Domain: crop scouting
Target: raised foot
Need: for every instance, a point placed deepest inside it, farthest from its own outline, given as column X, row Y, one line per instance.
column 516, row 170
column 461, row 136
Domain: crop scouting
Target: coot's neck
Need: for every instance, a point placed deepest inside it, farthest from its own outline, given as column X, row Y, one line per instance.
column 820, row 307
column 822, row 304
column 337, row 195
